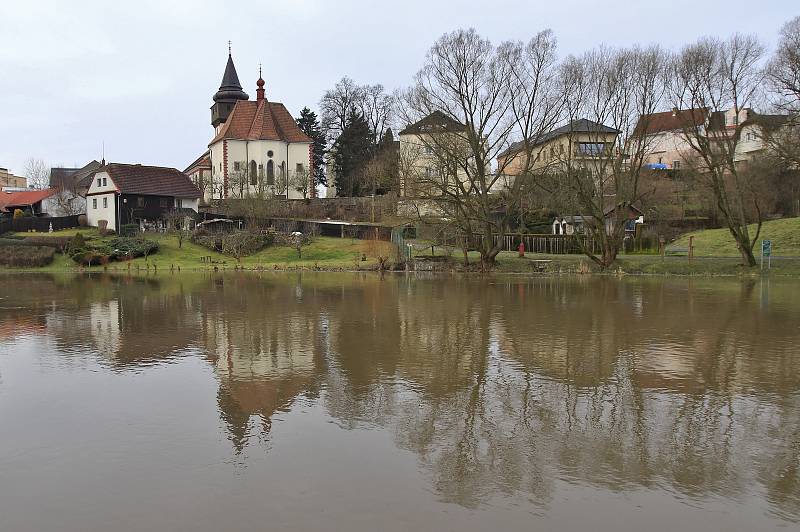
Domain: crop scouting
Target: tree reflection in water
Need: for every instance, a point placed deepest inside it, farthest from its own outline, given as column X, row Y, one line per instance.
column 501, row 387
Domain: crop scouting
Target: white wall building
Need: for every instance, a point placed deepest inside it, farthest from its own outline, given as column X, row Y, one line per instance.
column 258, row 148
column 133, row 193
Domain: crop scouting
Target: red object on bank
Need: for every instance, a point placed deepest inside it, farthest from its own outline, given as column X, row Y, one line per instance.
column 521, row 249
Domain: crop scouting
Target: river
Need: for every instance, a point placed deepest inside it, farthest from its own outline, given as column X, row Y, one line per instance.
column 319, row 401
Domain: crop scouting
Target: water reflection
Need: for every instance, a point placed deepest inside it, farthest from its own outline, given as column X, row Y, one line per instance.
column 501, row 387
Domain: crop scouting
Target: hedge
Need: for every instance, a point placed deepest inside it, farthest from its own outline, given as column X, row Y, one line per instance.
column 24, row 256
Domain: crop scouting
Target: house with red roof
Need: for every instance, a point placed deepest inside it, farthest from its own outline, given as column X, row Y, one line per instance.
column 257, row 150
column 666, row 147
column 34, row 202
column 134, row 193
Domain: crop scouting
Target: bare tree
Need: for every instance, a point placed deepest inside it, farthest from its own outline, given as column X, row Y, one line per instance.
column 783, row 70
column 722, row 79
column 607, row 94
column 378, row 108
column 239, row 179
column 177, row 224
column 282, row 181
column 301, row 182
column 336, row 104
column 37, row 173
column 783, row 73
column 489, row 97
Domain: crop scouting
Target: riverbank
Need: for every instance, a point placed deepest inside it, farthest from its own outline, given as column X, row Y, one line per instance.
column 345, row 254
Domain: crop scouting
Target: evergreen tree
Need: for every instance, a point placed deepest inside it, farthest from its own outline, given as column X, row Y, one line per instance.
column 310, row 125
column 352, row 151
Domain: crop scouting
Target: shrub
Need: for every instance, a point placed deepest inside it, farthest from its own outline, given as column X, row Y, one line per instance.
column 22, row 256
column 124, row 247
column 236, row 243
column 90, row 257
column 18, row 213
column 59, row 243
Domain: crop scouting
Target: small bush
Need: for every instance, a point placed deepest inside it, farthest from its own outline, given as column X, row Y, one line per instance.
column 18, row 213
column 60, row 243
column 22, row 256
column 235, row 243
column 124, row 248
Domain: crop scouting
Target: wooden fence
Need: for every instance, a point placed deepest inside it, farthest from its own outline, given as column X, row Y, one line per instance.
column 543, row 243
column 333, row 228
column 41, row 224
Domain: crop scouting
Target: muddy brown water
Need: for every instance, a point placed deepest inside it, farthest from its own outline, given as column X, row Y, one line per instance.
column 347, row 402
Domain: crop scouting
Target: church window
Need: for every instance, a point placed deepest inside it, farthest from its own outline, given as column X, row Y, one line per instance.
column 237, row 166
column 270, row 173
column 253, row 173
column 260, row 170
column 298, row 169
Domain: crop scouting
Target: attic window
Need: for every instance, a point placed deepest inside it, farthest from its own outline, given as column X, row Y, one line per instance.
column 269, row 153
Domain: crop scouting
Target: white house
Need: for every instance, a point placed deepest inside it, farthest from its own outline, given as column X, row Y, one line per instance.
column 133, row 193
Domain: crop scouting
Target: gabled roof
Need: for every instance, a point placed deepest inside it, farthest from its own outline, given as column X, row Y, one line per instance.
column 59, row 175
column 767, row 122
column 204, row 161
column 73, row 178
column 437, row 121
column 151, row 180
column 670, row 121
column 260, row 120
column 11, row 200
column 582, row 125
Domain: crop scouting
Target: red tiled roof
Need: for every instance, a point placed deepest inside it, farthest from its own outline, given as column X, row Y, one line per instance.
column 260, row 120
column 9, row 200
column 669, row 121
column 151, row 180
column 204, row 161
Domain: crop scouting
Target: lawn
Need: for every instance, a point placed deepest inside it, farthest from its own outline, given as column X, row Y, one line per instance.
column 322, row 252
column 784, row 233
column 327, row 253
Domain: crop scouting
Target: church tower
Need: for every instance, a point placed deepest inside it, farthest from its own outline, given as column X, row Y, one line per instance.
column 230, row 91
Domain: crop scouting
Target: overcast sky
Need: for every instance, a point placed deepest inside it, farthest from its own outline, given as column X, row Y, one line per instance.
column 140, row 75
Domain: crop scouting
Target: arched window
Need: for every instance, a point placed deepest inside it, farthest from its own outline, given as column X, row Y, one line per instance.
column 270, row 173
column 253, row 173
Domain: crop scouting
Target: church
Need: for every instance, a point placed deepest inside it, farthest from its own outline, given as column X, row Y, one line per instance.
column 257, row 150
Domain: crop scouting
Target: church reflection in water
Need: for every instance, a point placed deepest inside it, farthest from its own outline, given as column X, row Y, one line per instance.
column 498, row 386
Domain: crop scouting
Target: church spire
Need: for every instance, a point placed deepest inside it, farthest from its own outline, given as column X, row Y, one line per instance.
column 260, row 84
column 230, row 88
column 230, row 91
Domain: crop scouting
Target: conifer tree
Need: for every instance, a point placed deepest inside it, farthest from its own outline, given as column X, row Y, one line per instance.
column 309, row 124
column 352, row 151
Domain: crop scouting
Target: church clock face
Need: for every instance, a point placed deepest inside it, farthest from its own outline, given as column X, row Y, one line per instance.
column 269, row 153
